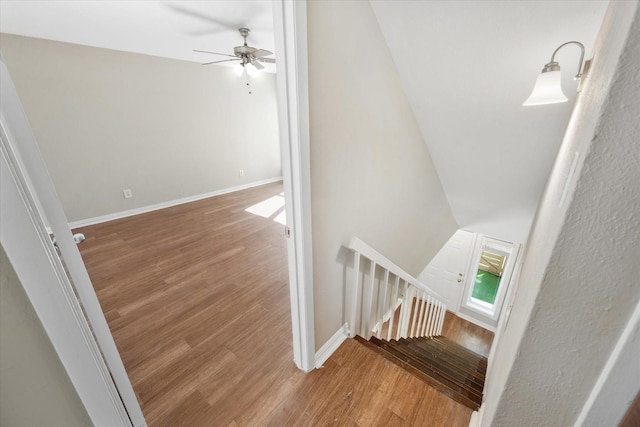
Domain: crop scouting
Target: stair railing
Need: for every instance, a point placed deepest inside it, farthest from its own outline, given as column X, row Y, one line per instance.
column 388, row 302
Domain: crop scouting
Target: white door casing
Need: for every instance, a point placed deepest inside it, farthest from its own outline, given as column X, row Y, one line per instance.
column 290, row 20
column 485, row 317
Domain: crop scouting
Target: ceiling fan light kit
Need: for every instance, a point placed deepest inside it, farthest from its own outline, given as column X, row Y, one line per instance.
column 548, row 86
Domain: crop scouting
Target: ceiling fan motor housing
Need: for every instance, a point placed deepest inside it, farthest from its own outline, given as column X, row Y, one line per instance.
column 244, row 50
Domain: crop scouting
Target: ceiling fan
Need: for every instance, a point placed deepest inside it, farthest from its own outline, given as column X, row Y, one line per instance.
column 250, row 57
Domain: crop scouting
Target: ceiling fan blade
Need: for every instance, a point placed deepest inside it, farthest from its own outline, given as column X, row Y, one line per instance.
column 267, row 60
column 258, row 65
column 261, row 52
column 224, row 60
column 214, row 53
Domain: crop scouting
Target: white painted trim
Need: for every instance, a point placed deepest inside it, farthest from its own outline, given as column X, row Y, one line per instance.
column 331, row 345
column 618, row 381
column 476, row 321
column 475, row 313
column 168, row 204
column 28, row 204
column 367, row 251
column 476, row 417
column 290, row 31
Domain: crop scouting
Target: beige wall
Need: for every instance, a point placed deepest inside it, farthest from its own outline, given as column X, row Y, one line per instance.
column 107, row 120
column 371, row 173
column 34, row 387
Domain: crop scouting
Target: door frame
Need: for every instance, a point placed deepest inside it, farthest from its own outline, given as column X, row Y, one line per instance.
column 290, row 30
column 469, row 311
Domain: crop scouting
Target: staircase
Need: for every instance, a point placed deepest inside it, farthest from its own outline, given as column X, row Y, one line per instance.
column 399, row 317
column 453, row 370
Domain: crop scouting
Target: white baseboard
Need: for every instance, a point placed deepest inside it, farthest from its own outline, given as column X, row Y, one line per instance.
column 331, row 346
column 476, row 321
column 163, row 205
column 476, row 417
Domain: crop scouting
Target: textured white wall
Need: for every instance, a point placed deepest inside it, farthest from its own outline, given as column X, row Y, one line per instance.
column 107, row 120
column 371, row 173
column 34, row 387
column 579, row 279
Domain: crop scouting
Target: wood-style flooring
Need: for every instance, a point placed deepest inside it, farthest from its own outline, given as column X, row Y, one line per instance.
column 197, row 300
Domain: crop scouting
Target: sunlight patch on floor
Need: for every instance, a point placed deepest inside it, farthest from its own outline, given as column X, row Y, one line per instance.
column 272, row 208
column 281, row 217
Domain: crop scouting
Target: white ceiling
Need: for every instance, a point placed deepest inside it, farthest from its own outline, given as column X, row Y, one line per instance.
column 170, row 29
column 466, row 66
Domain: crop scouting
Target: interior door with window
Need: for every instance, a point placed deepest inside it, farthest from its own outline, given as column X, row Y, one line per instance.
column 487, row 281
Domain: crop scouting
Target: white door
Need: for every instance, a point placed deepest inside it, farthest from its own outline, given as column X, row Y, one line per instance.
column 47, row 220
column 445, row 274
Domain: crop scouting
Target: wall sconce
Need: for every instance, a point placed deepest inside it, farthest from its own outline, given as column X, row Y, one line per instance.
column 548, row 87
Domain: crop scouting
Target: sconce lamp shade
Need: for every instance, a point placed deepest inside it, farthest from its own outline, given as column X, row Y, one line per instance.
column 548, row 87
column 547, row 90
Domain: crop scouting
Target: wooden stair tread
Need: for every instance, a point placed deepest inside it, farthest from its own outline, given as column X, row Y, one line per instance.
column 477, row 367
column 462, row 370
column 461, row 350
column 456, row 373
column 426, row 364
column 450, row 368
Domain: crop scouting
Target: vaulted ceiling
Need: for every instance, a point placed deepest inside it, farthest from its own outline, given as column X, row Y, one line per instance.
column 466, row 67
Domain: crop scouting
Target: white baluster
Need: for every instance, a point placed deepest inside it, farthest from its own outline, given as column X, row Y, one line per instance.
column 432, row 320
column 427, row 316
column 366, row 330
column 420, row 315
column 356, row 294
column 415, row 319
column 382, row 302
column 403, row 313
column 443, row 313
column 394, row 299
column 407, row 303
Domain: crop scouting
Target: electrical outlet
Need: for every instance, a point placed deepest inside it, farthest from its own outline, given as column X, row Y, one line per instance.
column 241, row 172
column 127, row 193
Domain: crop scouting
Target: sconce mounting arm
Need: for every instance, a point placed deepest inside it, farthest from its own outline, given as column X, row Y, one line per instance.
column 581, row 57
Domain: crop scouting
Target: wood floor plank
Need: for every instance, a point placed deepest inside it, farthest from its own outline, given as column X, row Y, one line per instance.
column 197, row 300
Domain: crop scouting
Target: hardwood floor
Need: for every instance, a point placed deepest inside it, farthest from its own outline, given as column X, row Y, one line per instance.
column 467, row 334
column 197, row 299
